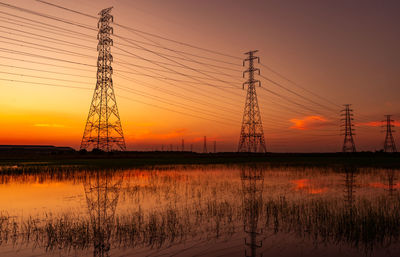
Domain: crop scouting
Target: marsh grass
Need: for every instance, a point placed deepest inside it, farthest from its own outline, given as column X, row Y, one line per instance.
column 367, row 226
column 168, row 205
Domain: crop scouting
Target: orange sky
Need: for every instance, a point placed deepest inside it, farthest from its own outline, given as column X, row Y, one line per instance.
column 344, row 52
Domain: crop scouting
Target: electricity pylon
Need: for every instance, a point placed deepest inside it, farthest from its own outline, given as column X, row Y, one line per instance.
column 389, row 145
column 252, row 187
column 252, row 133
column 348, row 143
column 205, row 145
column 102, row 192
column 103, row 128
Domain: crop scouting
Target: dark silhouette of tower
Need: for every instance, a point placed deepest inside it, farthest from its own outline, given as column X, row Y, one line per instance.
column 183, row 145
column 389, row 145
column 102, row 192
column 103, row 128
column 348, row 143
column 252, row 133
column 205, row 145
column 252, row 178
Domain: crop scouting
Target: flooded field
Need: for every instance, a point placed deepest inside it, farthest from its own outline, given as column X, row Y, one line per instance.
column 210, row 210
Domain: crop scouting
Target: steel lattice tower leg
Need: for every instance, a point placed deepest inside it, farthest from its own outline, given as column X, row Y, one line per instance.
column 103, row 128
column 252, row 133
column 389, row 145
column 348, row 143
column 102, row 192
column 252, row 187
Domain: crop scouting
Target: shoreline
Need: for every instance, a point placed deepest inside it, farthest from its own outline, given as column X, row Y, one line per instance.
column 137, row 159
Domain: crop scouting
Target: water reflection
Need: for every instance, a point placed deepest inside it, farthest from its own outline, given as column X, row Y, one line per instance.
column 349, row 181
column 252, row 178
column 102, row 193
column 215, row 208
column 391, row 180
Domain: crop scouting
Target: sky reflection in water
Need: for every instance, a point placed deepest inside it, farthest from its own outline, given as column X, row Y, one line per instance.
column 201, row 211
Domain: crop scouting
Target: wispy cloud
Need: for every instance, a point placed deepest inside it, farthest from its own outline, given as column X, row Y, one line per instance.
column 48, row 125
column 309, row 122
column 376, row 123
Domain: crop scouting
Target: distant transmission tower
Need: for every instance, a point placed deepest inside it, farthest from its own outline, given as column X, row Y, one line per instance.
column 205, row 145
column 389, row 146
column 103, row 128
column 348, row 143
column 252, row 133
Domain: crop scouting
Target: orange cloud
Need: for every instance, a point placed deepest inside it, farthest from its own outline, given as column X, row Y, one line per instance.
column 49, row 125
column 377, row 123
column 308, row 122
column 304, row 185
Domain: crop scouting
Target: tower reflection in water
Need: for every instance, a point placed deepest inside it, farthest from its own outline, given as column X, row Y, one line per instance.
column 252, row 178
column 102, row 192
column 390, row 174
column 349, row 191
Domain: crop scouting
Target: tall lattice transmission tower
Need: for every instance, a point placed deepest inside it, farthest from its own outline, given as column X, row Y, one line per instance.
column 348, row 143
column 389, row 145
column 103, row 128
column 252, row 133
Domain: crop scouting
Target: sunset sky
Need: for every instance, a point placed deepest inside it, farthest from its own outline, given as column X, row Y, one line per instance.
column 315, row 57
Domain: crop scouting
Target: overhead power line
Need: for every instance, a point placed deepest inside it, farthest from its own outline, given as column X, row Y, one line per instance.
column 146, row 33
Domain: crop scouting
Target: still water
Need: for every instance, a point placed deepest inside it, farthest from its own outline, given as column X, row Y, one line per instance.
column 250, row 210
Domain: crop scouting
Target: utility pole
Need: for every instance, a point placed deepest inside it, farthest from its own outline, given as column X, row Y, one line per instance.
column 103, row 128
column 389, row 145
column 348, row 143
column 191, row 147
column 183, row 145
column 252, row 133
column 205, row 145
